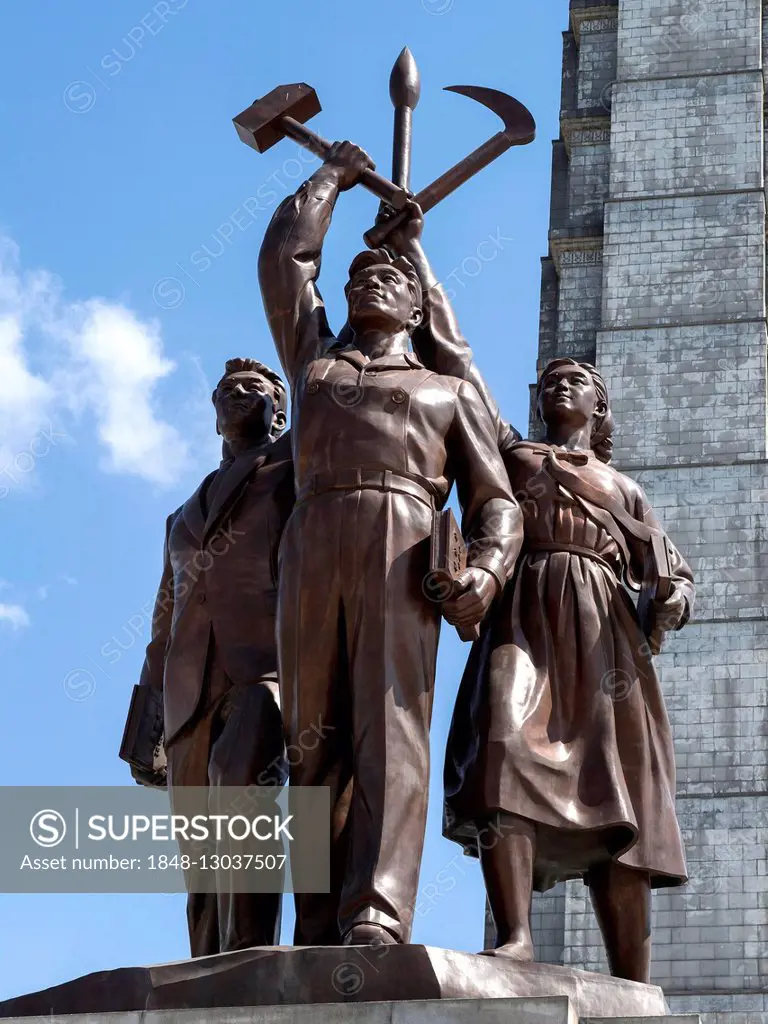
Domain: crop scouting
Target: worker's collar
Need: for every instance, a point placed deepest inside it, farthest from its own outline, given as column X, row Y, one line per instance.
column 397, row 361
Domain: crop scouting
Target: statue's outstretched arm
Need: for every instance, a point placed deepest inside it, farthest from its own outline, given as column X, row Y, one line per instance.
column 438, row 341
column 289, row 261
column 289, row 266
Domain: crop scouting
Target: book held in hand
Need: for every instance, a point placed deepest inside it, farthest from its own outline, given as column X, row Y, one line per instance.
column 142, row 745
column 657, row 586
column 447, row 559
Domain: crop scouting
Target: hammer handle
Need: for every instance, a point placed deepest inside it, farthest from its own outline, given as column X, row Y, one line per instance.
column 385, row 190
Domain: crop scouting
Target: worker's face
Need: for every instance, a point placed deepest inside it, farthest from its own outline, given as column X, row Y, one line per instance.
column 379, row 299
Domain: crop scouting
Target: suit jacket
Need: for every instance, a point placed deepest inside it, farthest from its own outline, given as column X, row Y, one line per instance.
column 220, row 580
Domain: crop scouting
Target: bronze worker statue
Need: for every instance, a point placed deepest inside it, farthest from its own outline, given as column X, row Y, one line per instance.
column 378, row 441
column 560, row 756
column 213, row 652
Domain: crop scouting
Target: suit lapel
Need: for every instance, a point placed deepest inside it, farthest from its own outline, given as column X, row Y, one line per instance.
column 192, row 510
column 232, row 484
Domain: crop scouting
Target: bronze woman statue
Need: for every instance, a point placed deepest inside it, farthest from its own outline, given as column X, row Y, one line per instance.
column 560, row 761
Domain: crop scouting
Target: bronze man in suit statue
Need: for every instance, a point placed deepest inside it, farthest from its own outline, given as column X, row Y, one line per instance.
column 377, row 441
column 213, row 650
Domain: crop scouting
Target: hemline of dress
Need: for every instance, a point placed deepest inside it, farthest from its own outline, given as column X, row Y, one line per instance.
column 548, row 874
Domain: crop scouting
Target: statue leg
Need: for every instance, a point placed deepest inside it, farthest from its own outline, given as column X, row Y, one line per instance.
column 314, row 690
column 248, row 751
column 188, row 766
column 392, row 635
column 622, row 900
column 507, row 847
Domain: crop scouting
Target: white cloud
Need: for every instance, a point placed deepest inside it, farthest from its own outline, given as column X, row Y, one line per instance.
column 14, row 615
column 24, row 397
column 43, row 590
column 122, row 360
column 96, row 359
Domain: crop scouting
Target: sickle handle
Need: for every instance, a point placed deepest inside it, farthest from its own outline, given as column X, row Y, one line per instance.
column 461, row 173
column 447, row 184
column 387, row 191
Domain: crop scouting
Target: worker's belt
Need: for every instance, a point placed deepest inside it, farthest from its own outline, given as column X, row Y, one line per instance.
column 363, row 479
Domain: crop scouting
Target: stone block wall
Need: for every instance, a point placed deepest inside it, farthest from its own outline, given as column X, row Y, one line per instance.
column 684, row 135
column 657, row 273
column 689, row 259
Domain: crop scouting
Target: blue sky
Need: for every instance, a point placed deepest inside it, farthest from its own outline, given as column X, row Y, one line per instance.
column 129, row 231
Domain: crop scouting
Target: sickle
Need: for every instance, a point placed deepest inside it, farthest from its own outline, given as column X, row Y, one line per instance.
column 519, row 130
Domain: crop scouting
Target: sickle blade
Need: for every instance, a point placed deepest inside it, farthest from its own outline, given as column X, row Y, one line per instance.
column 519, row 130
column 518, row 120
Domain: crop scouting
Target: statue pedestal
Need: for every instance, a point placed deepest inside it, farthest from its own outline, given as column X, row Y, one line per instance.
column 374, row 985
column 554, row 1010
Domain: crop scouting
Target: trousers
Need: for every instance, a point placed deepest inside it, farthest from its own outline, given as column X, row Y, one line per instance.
column 236, row 740
column 357, row 643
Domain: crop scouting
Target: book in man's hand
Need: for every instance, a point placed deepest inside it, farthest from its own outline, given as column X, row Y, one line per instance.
column 142, row 745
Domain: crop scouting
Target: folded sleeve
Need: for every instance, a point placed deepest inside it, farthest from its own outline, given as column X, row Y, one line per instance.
column 289, row 267
column 492, row 521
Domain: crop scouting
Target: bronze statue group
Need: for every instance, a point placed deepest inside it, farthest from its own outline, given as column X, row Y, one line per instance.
column 312, row 616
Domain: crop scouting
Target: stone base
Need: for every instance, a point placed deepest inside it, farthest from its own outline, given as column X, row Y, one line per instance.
column 555, row 1010
column 291, row 976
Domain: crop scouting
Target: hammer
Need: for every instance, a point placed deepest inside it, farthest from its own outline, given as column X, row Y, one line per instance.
column 282, row 113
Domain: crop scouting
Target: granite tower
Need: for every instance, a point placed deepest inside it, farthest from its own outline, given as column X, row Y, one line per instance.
column 657, row 273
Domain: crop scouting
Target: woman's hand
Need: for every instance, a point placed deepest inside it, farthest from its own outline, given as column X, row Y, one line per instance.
column 672, row 613
column 404, row 239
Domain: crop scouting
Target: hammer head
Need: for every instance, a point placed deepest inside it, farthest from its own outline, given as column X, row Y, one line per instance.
column 519, row 125
column 259, row 125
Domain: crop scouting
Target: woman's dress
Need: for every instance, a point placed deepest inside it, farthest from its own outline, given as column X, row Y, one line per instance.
column 560, row 717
